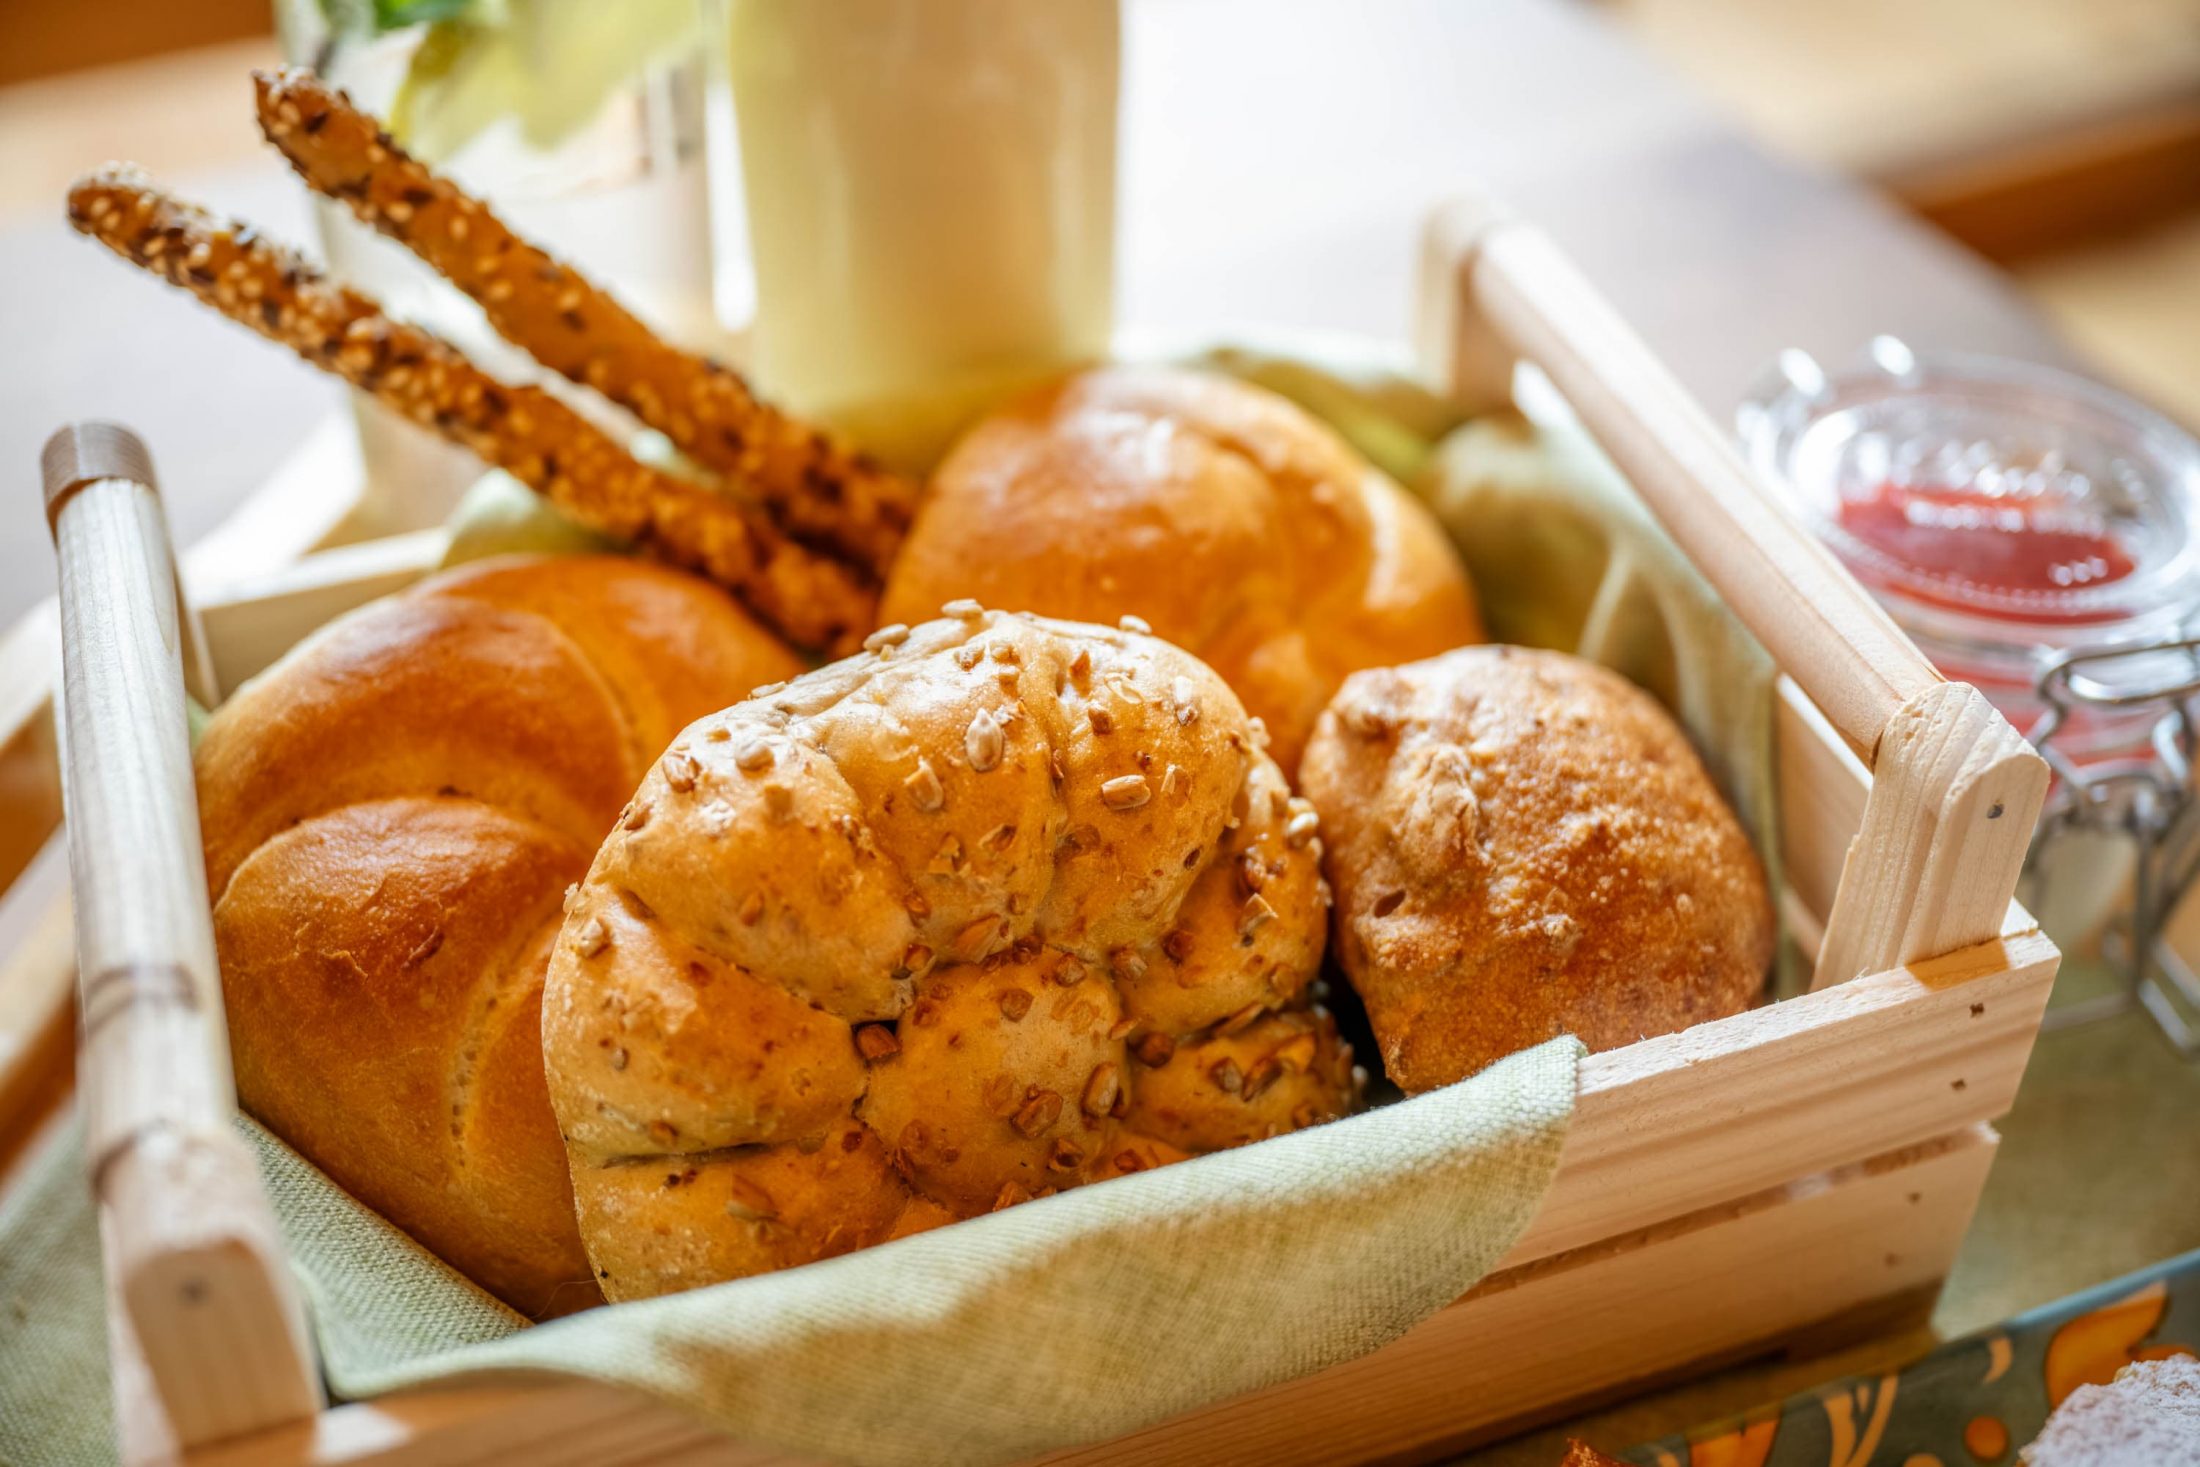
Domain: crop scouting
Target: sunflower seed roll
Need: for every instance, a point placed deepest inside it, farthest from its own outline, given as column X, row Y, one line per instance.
column 973, row 916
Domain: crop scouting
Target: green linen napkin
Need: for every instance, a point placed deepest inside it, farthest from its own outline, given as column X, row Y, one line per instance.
column 1074, row 1318
column 54, row 1402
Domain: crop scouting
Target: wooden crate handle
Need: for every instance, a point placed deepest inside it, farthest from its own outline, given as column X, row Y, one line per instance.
column 1956, row 791
column 1514, row 295
column 191, row 1247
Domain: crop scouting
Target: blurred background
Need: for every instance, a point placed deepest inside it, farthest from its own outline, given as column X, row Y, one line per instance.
column 2058, row 141
column 2058, row 138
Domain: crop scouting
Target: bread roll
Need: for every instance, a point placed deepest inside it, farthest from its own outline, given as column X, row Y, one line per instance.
column 392, row 814
column 1524, row 845
column 2150, row 1413
column 997, row 907
column 1236, row 525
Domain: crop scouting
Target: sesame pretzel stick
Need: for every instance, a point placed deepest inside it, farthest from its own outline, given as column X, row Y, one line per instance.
column 822, row 492
column 814, row 601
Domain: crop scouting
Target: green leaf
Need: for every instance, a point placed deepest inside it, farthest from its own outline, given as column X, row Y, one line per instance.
column 396, row 15
column 550, row 65
column 461, row 80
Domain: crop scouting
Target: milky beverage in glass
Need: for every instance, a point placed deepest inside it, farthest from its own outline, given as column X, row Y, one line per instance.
column 930, row 191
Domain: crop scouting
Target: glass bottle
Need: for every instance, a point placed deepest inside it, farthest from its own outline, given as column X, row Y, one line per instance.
column 930, row 200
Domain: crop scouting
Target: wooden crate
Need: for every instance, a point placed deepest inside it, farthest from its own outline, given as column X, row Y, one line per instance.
column 1720, row 1190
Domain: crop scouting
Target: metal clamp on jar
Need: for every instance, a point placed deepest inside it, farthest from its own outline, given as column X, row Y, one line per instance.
column 2037, row 536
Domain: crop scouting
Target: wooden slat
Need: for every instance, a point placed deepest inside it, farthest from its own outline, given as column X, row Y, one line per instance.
column 37, row 1013
column 1801, row 925
column 566, row 1424
column 1822, row 788
column 1680, row 1122
column 1527, row 1341
column 30, row 768
column 1523, row 1342
column 190, row 1246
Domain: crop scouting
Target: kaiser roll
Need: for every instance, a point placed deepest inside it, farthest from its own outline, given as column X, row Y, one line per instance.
column 997, row 907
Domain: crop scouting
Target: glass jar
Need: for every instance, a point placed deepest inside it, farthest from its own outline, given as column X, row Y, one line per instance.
column 2037, row 536
column 930, row 193
column 2003, row 513
column 581, row 124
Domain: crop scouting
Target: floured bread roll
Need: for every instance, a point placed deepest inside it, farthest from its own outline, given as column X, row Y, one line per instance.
column 1524, row 845
column 997, row 907
column 2149, row 1413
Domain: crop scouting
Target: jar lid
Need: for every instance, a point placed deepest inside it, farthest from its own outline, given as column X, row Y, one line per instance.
column 1990, row 503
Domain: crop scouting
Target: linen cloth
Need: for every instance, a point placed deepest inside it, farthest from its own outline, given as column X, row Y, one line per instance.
column 1072, row 1318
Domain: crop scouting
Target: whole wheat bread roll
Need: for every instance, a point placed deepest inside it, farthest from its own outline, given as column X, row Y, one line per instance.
column 1524, row 845
column 1235, row 524
column 997, row 907
column 392, row 814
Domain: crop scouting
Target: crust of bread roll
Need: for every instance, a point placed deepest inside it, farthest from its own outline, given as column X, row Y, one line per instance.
column 1524, row 845
column 392, row 815
column 1228, row 519
column 910, row 939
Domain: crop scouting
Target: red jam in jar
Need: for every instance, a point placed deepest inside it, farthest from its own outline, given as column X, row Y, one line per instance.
column 1959, row 535
column 2002, row 513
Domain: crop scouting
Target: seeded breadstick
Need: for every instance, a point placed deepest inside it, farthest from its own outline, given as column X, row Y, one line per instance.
column 822, row 492
column 816, row 602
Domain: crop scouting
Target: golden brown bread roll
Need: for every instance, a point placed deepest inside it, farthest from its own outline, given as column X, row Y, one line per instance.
column 997, row 907
column 1236, row 525
column 392, row 815
column 1524, row 845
